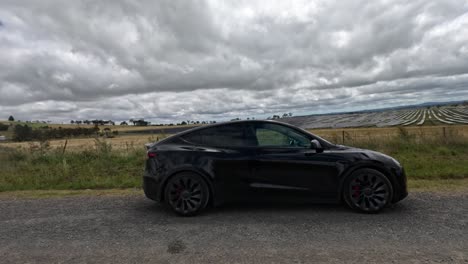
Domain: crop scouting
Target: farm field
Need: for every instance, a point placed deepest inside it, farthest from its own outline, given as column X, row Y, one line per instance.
column 423, row 116
column 450, row 115
column 443, row 115
column 125, row 141
column 372, row 134
column 432, row 158
column 431, row 143
column 348, row 136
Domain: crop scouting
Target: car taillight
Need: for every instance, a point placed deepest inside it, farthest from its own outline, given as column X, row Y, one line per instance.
column 151, row 154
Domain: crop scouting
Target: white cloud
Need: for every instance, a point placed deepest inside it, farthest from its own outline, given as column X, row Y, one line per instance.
column 177, row 60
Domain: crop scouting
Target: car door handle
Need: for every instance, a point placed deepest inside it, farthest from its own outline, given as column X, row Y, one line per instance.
column 310, row 153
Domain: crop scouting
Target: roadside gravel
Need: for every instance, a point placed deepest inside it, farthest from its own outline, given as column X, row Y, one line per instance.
column 424, row 228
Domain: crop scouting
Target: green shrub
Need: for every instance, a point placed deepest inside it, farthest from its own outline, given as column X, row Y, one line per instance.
column 4, row 127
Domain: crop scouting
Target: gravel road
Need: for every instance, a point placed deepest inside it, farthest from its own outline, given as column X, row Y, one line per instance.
column 424, row 228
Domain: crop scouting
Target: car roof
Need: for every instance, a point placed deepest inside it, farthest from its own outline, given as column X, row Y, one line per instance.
column 231, row 123
column 238, row 122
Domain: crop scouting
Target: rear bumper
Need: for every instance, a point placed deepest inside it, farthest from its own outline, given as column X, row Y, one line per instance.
column 151, row 187
column 151, row 180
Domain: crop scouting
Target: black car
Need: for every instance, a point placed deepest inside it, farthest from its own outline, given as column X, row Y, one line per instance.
column 250, row 160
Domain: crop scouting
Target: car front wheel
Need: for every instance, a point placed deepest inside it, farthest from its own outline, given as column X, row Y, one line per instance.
column 367, row 190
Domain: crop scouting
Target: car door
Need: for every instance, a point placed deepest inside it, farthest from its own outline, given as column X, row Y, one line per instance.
column 227, row 154
column 286, row 167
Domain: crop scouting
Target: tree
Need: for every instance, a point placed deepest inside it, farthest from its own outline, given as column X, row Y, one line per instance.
column 22, row 133
column 140, row 122
column 11, row 118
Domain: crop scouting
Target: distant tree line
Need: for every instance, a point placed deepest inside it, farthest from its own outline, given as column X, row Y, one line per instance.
column 194, row 122
column 26, row 133
column 139, row 122
column 94, row 122
column 100, row 122
column 278, row 116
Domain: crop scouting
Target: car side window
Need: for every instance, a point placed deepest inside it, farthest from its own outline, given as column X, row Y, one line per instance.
column 220, row 136
column 273, row 135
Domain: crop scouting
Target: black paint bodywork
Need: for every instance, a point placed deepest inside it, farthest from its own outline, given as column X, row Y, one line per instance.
column 244, row 173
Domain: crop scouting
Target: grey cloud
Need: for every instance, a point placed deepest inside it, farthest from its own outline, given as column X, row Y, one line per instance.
column 176, row 60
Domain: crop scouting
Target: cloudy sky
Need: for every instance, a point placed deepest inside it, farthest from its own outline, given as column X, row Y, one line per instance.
column 203, row 60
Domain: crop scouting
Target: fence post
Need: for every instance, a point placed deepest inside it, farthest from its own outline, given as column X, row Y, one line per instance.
column 445, row 134
column 342, row 136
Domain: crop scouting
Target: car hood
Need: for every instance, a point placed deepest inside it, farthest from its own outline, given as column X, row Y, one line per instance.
column 366, row 154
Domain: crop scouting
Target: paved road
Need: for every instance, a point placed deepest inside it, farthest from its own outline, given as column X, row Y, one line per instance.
column 424, row 228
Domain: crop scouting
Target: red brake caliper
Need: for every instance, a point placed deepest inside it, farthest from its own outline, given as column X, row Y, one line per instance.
column 179, row 191
column 356, row 190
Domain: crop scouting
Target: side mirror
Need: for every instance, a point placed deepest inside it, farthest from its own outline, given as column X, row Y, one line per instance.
column 315, row 144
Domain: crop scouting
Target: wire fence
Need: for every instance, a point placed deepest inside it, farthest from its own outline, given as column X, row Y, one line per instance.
column 416, row 134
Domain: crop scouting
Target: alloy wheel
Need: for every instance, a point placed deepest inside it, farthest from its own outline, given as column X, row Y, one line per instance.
column 186, row 194
column 369, row 192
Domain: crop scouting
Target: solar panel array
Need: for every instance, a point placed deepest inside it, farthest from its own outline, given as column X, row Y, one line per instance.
column 435, row 115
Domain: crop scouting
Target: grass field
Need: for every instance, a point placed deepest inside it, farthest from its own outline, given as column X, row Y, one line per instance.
column 434, row 158
column 121, row 142
column 347, row 136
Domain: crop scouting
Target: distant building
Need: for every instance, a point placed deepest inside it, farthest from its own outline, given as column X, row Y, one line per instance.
column 2, row 138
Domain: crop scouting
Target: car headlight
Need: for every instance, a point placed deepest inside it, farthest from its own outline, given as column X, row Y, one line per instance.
column 392, row 159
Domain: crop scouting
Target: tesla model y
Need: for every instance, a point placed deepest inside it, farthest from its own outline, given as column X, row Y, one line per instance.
column 250, row 160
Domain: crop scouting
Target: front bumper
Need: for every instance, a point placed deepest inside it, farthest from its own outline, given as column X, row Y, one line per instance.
column 401, row 186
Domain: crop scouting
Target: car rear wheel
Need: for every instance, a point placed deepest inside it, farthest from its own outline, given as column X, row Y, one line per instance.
column 367, row 190
column 186, row 194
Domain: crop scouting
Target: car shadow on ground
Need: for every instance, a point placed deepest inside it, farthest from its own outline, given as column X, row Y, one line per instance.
column 268, row 208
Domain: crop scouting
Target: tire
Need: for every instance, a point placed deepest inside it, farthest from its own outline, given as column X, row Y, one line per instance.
column 367, row 191
column 186, row 194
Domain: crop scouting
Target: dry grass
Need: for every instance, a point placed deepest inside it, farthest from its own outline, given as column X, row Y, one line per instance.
column 347, row 136
column 77, row 144
column 422, row 133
